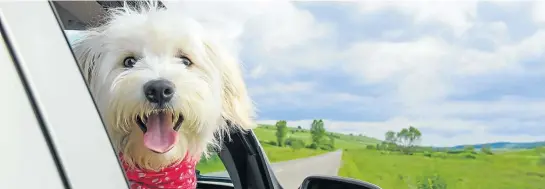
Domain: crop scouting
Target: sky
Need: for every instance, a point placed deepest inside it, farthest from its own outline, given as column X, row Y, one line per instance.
column 462, row 72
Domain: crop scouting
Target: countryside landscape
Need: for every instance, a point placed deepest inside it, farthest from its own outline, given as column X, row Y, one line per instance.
column 397, row 161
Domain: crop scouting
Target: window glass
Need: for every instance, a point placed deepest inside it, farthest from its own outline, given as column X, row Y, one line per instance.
column 212, row 166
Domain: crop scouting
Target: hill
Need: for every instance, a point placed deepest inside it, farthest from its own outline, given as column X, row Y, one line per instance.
column 504, row 145
column 266, row 133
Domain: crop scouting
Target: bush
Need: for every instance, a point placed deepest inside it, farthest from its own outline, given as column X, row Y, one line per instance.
column 431, row 182
column 272, row 143
column 370, row 147
column 327, row 147
column 313, row 146
column 469, row 155
column 455, row 152
column 288, row 141
column 297, row 144
column 487, row 151
column 442, row 155
column 427, row 154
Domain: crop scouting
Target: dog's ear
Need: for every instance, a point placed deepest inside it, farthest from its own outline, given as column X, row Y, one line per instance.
column 238, row 108
column 87, row 54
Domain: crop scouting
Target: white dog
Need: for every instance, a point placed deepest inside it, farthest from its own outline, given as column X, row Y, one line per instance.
column 164, row 88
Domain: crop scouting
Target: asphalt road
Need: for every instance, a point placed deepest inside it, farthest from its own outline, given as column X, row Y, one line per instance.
column 292, row 173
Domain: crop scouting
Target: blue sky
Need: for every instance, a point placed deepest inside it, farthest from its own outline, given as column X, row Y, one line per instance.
column 461, row 71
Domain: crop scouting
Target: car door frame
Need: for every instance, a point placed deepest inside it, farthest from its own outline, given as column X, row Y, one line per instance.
column 67, row 113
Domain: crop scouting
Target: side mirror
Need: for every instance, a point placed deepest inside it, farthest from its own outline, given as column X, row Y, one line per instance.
column 326, row 182
column 197, row 172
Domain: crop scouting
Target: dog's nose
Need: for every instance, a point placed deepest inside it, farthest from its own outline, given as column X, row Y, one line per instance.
column 159, row 91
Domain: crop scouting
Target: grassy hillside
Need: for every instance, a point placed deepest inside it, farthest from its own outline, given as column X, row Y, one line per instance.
column 266, row 133
column 521, row 169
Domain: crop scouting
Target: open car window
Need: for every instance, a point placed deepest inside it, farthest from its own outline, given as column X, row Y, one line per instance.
column 210, row 169
column 75, row 17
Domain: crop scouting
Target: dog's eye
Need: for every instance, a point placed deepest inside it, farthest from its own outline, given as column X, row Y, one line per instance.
column 129, row 62
column 186, row 61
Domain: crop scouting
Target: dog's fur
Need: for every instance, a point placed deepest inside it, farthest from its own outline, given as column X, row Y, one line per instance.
column 208, row 93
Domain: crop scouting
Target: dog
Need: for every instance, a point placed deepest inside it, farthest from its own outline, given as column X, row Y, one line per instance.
column 166, row 90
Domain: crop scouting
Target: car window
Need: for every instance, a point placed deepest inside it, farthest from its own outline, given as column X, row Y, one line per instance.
column 69, row 15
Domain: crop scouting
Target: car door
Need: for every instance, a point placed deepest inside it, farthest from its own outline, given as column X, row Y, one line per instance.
column 26, row 150
column 55, row 138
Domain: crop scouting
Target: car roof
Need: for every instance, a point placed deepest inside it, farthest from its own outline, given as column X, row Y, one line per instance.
column 76, row 15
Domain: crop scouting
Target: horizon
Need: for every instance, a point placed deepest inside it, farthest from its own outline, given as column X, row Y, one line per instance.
column 460, row 71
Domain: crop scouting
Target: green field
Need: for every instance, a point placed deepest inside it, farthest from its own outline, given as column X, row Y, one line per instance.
column 508, row 170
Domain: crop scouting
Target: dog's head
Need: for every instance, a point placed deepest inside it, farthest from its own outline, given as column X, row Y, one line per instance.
column 163, row 86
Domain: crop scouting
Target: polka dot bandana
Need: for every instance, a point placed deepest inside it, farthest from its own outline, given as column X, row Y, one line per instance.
column 179, row 175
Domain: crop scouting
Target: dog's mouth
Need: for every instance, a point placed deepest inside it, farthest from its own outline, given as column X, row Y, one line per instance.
column 160, row 130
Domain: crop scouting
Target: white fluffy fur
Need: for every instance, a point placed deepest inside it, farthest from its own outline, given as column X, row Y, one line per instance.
column 208, row 93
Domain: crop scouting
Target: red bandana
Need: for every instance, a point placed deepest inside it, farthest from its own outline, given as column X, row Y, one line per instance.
column 179, row 175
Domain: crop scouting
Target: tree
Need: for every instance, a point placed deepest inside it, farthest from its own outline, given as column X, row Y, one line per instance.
column 407, row 138
column 332, row 140
column 299, row 127
column 486, row 150
column 317, row 131
column 281, row 132
column 390, row 137
column 469, row 148
column 390, row 140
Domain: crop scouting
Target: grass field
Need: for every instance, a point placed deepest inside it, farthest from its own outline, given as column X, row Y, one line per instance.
column 266, row 134
column 508, row 170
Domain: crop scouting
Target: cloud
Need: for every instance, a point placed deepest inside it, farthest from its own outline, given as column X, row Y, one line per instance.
column 462, row 72
column 538, row 12
column 271, row 36
column 458, row 15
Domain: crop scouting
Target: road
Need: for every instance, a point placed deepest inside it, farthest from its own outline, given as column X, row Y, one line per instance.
column 291, row 173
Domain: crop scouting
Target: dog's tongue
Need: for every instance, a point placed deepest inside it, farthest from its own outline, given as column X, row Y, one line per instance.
column 160, row 136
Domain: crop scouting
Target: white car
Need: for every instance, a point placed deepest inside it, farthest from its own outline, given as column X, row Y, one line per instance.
column 52, row 136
